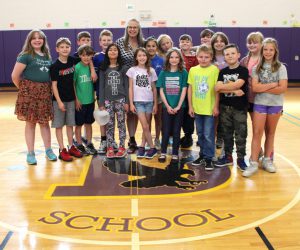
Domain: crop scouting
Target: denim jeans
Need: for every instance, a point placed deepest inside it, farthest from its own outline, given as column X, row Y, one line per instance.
column 171, row 124
column 205, row 125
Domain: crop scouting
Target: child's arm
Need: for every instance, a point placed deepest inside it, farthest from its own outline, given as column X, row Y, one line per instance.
column 153, row 86
column 260, row 87
column 17, row 73
column 191, row 110
column 132, row 107
column 230, row 86
column 281, row 88
column 61, row 105
column 216, row 106
column 181, row 100
column 94, row 76
column 101, row 89
column 164, row 99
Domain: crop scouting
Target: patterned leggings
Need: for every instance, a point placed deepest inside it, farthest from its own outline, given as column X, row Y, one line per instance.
column 115, row 107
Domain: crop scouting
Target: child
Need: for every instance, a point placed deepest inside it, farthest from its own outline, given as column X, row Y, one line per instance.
column 114, row 97
column 254, row 44
column 190, row 60
column 142, row 97
column 84, row 91
column 31, row 76
column 64, row 97
column 218, row 42
column 157, row 63
column 203, row 104
column 173, row 83
column 269, row 82
column 233, row 86
column 205, row 36
column 105, row 39
column 164, row 42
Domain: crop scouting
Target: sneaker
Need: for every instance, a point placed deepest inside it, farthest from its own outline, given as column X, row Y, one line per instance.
column 151, row 153
column 110, row 153
column 141, row 152
column 31, row 160
column 132, row 147
column 268, row 165
column 84, row 140
column 175, row 159
column 224, row 161
column 252, row 169
column 162, row 158
column 241, row 164
column 157, row 144
column 219, row 143
column 64, row 155
column 75, row 152
column 121, row 152
column 209, row 165
column 115, row 146
column 91, row 149
column 50, row 155
column 199, row 162
column 82, row 150
column 187, row 142
column 102, row 147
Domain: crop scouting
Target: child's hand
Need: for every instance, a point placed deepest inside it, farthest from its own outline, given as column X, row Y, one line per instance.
column 239, row 92
column 78, row 105
column 126, row 107
column 216, row 111
column 176, row 110
column 94, row 76
column 61, row 106
column 191, row 112
column 154, row 110
column 170, row 110
column 132, row 108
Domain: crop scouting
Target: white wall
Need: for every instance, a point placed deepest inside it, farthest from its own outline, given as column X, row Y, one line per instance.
column 58, row 14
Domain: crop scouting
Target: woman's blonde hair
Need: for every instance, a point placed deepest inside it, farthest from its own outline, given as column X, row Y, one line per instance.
column 28, row 49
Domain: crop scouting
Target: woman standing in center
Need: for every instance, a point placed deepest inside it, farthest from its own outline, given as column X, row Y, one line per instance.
column 132, row 39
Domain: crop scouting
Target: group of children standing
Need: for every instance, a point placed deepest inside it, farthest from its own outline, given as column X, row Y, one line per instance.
column 178, row 86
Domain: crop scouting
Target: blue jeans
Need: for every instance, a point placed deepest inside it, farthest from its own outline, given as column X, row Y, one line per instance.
column 205, row 125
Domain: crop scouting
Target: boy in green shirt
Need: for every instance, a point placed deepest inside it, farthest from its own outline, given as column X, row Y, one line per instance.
column 84, row 90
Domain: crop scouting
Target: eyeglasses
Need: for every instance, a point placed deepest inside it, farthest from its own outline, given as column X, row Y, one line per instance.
column 132, row 27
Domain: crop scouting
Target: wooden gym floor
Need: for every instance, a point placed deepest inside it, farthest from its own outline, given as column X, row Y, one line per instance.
column 92, row 203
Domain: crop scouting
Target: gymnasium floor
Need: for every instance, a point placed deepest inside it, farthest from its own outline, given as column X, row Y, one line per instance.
column 93, row 203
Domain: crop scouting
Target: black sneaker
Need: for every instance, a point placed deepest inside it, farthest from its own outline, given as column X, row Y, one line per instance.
column 209, row 165
column 91, row 149
column 132, row 147
column 82, row 150
column 199, row 162
column 84, row 140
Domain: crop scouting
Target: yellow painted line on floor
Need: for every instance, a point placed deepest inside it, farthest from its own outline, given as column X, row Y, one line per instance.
column 135, row 241
column 134, row 207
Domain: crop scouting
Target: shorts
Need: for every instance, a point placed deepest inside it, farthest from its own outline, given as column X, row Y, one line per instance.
column 144, row 107
column 269, row 110
column 85, row 115
column 63, row 118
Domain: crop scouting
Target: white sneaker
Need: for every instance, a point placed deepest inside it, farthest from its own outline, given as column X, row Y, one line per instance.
column 102, row 147
column 268, row 165
column 157, row 144
column 252, row 169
